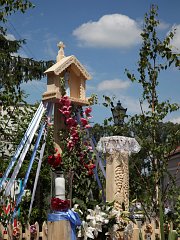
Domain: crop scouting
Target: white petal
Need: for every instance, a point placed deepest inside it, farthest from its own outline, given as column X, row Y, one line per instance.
column 106, row 221
column 99, row 227
column 90, row 234
column 92, row 223
column 96, row 233
column 80, row 233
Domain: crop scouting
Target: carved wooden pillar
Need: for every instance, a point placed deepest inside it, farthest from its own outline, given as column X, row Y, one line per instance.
column 117, row 150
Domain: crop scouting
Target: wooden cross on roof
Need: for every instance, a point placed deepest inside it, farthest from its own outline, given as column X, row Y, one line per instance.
column 60, row 55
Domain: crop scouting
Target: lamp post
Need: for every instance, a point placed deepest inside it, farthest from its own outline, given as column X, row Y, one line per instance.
column 119, row 113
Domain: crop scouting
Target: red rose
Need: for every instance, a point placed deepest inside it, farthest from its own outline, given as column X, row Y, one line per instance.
column 66, row 108
column 84, row 121
column 71, row 122
column 90, row 168
column 57, row 161
column 88, row 110
column 65, row 113
column 70, row 144
column 54, row 161
column 90, row 172
column 51, row 159
column 58, row 204
column 65, row 101
column 87, row 126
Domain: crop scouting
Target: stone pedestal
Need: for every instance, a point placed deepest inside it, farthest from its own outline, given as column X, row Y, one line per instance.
column 117, row 150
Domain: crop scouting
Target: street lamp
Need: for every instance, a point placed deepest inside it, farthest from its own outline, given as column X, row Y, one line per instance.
column 119, row 113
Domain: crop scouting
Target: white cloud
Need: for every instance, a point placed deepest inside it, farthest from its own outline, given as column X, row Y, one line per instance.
column 10, row 37
column 132, row 104
column 175, row 120
column 20, row 53
column 176, row 40
column 90, row 87
column 115, row 30
column 163, row 25
column 115, row 84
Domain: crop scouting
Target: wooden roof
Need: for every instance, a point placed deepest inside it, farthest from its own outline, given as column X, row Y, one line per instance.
column 64, row 63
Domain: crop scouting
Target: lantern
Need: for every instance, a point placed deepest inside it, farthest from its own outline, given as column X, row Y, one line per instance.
column 119, row 113
column 58, row 184
column 61, row 190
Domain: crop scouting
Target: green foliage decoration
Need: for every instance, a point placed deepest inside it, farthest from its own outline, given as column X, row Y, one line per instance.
column 151, row 162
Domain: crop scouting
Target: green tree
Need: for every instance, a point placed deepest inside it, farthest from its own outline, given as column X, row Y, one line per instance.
column 15, row 112
column 15, row 69
column 10, row 6
column 155, row 56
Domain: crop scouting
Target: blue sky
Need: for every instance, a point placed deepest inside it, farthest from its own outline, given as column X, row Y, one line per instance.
column 104, row 36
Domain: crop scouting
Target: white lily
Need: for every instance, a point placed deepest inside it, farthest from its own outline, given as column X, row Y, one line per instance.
column 97, row 228
column 96, row 225
column 86, row 231
column 76, row 209
column 97, row 215
column 97, row 218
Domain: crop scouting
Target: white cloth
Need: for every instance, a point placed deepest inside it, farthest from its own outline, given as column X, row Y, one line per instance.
column 118, row 144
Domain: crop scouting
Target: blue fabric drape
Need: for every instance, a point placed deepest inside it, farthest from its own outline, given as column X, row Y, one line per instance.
column 70, row 216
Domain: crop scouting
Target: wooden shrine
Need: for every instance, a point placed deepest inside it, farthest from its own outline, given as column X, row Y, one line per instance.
column 74, row 74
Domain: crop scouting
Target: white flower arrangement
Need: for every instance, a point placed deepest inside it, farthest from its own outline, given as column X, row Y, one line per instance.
column 103, row 222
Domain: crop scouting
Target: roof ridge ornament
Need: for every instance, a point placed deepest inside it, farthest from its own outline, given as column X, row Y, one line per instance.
column 60, row 55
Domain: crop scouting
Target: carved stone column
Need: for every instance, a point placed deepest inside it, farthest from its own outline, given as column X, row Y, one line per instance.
column 117, row 150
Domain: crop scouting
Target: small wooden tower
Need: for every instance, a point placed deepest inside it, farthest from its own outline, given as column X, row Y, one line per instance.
column 74, row 74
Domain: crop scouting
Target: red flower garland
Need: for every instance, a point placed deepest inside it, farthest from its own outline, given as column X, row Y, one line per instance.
column 73, row 127
column 54, row 160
